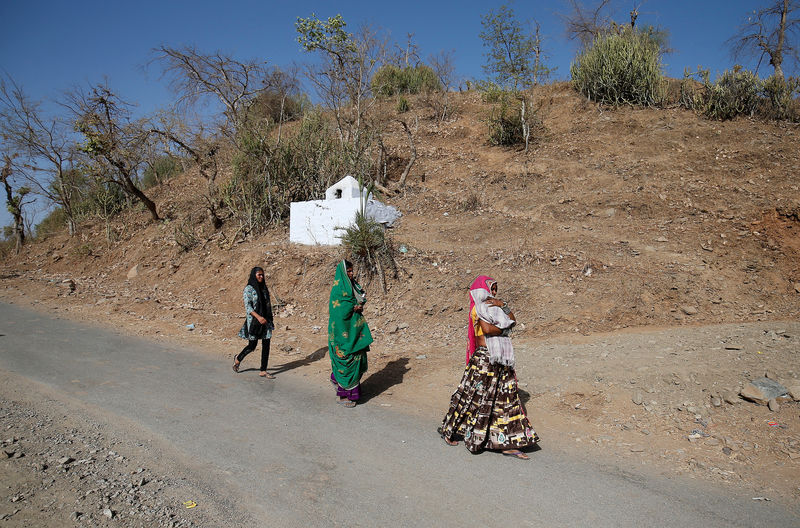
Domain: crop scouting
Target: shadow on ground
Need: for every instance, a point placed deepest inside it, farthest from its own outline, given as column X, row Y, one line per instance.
column 389, row 376
column 312, row 357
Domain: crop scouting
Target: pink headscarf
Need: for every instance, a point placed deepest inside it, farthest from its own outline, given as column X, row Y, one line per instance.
column 482, row 282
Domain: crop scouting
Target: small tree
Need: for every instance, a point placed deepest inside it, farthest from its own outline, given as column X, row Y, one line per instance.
column 770, row 32
column 514, row 57
column 114, row 141
column 14, row 202
column 342, row 77
column 45, row 146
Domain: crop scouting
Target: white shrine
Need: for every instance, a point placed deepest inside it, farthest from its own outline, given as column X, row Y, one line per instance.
column 322, row 222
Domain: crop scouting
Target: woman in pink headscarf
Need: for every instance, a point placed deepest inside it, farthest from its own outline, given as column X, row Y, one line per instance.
column 485, row 409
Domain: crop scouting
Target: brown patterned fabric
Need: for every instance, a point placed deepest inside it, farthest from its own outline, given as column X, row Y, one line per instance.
column 486, row 410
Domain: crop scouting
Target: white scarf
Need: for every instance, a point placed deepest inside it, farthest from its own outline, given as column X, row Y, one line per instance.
column 500, row 349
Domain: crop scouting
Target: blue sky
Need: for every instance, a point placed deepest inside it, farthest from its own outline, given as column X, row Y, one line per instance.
column 48, row 47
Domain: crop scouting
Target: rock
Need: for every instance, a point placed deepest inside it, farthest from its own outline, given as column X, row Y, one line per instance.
column 727, row 450
column 108, row 513
column 68, row 284
column 762, row 390
column 716, row 401
column 794, row 390
column 689, row 310
column 74, row 516
column 730, row 397
column 393, row 329
column 773, row 405
column 133, row 272
column 637, row 398
column 65, row 460
column 422, row 356
column 797, row 287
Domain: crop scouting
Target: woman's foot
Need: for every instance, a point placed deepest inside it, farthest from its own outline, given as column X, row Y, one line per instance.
column 347, row 403
column 265, row 374
column 236, row 365
column 516, row 453
column 450, row 442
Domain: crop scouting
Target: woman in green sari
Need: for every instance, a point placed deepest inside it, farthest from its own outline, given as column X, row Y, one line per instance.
column 348, row 335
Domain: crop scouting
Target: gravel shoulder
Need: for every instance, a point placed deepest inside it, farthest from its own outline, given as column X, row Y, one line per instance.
column 66, row 464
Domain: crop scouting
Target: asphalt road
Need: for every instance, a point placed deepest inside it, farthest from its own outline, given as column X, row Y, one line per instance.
column 286, row 454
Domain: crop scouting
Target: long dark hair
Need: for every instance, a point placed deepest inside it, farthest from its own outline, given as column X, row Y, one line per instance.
column 264, row 308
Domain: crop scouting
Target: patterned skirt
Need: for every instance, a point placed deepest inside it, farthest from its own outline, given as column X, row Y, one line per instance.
column 486, row 410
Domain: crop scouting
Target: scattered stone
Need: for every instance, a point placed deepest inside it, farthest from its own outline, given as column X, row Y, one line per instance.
column 797, row 287
column 637, row 398
column 773, row 405
column 108, row 513
column 68, row 284
column 794, row 390
column 762, row 390
column 716, row 401
column 393, row 329
column 730, row 397
column 689, row 310
column 133, row 272
column 65, row 460
column 422, row 356
column 727, row 450
column 76, row 515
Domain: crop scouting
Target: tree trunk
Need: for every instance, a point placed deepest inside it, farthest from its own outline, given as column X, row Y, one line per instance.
column 413, row 158
column 133, row 190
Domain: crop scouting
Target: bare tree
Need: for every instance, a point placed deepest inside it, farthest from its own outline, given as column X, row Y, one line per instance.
column 443, row 66
column 195, row 75
column 585, row 23
column 14, row 201
column 45, row 145
column 770, row 32
column 114, row 141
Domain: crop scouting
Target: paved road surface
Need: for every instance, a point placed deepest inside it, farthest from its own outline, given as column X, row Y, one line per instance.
column 287, row 455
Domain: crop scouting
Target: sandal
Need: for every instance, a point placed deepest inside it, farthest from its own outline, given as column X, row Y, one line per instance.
column 450, row 442
column 347, row 403
column 236, row 366
column 265, row 374
column 516, row 453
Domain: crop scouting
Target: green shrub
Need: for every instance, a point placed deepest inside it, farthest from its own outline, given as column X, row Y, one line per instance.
column 505, row 127
column 621, row 67
column 267, row 178
column 370, row 249
column 735, row 93
column 782, row 98
column 162, row 169
column 393, row 80
column 402, row 105
column 55, row 221
column 492, row 92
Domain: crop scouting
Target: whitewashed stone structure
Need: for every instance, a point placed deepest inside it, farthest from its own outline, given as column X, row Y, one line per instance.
column 322, row 222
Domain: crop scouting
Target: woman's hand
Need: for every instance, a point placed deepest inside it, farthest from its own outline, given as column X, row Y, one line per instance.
column 358, row 308
column 494, row 302
column 259, row 318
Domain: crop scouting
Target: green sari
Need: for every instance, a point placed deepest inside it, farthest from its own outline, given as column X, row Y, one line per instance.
column 348, row 334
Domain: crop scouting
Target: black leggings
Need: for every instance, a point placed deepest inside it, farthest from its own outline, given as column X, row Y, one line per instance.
column 251, row 345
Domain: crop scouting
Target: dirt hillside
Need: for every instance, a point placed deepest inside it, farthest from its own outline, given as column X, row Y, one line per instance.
column 652, row 256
